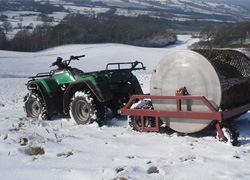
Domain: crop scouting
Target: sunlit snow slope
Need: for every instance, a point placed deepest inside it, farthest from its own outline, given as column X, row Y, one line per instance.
column 114, row 151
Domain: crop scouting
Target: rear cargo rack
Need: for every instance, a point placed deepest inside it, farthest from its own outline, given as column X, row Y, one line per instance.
column 130, row 66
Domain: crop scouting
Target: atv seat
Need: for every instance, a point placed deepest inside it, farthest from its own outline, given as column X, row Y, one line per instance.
column 77, row 73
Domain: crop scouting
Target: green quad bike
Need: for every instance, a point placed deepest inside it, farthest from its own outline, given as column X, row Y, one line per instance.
column 83, row 96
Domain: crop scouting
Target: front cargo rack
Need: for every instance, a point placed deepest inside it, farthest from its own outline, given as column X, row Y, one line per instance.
column 40, row 75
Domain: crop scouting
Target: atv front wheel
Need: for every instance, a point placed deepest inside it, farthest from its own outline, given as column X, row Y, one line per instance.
column 85, row 108
column 34, row 106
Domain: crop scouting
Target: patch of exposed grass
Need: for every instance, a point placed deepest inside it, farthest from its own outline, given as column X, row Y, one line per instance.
column 236, row 156
column 152, row 170
column 23, row 141
column 70, row 153
column 34, row 151
column 120, row 169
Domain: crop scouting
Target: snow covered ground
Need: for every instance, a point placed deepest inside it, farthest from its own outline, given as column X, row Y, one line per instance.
column 114, row 151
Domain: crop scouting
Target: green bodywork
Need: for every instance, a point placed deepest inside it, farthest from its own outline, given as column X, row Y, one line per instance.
column 52, row 84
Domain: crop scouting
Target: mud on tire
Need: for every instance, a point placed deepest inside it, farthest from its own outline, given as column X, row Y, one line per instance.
column 85, row 108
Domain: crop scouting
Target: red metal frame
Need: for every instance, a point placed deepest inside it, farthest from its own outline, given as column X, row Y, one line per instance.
column 179, row 113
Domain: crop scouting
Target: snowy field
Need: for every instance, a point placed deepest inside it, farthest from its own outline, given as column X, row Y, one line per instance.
column 114, row 151
column 28, row 18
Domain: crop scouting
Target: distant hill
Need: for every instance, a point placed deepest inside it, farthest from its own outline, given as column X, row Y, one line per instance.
column 180, row 10
column 242, row 3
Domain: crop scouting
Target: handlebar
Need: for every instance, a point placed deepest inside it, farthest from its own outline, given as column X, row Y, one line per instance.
column 76, row 57
column 64, row 64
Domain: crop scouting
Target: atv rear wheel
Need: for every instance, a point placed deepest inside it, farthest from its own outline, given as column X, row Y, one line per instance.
column 34, row 106
column 85, row 108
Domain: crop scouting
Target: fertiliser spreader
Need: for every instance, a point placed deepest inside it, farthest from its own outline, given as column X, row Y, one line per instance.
column 192, row 90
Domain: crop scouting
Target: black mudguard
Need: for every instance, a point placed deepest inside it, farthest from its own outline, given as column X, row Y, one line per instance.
column 101, row 91
column 53, row 100
column 136, row 85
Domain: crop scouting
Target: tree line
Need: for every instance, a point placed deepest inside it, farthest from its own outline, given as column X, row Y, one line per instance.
column 226, row 36
column 77, row 28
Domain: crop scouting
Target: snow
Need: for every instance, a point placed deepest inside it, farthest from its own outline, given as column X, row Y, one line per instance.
column 112, row 151
column 85, row 10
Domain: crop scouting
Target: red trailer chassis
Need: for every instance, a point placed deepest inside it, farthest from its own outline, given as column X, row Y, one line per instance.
column 214, row 114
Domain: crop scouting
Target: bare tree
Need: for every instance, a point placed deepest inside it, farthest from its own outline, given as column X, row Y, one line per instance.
column 3, row 17
column 208, row 32
column 7, row 26
column 19, row 25
column 44, row 18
